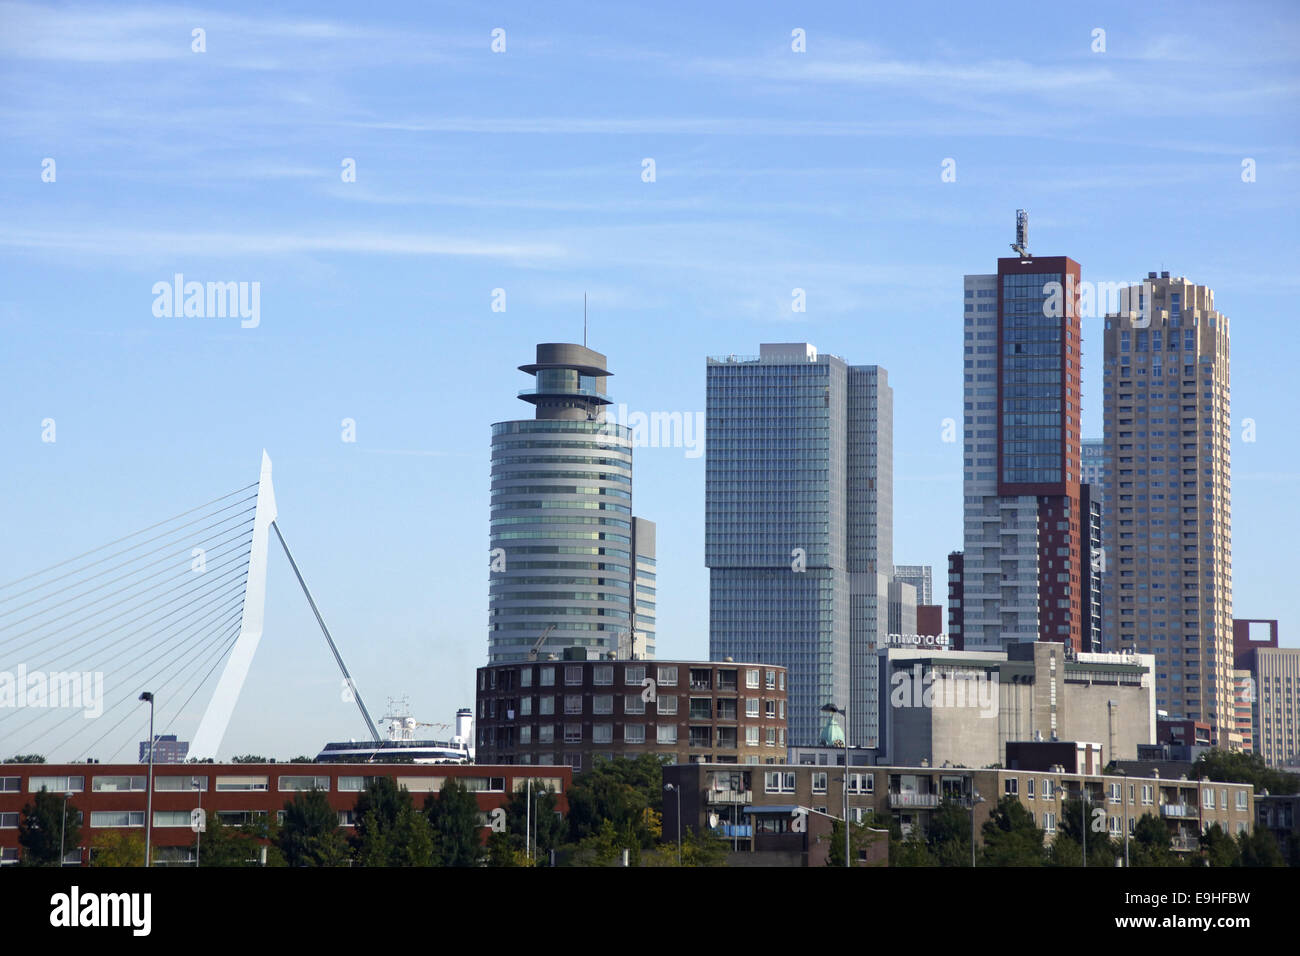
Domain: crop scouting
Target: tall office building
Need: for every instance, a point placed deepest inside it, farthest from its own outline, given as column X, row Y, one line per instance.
column 1168, row 530
column 1093, row 471
column 1024, row 530
column 799, row 525
column 920, row 576
column 566, row 550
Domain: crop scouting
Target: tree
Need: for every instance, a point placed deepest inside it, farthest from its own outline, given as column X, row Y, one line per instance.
column 118, row 848
column 453, row 815
column 1151, row 844
column 1011, row 838
column 44, row 827
column 1219, row 849
column 1235, row 766
column 950, row 835
column 376, row 812
column 863, row 835
column 26, row 758
column 548, row 826
column 626, row 793
column 1259, row 848
column 224, row 845
column 1067, row 848
column 602, row 848
column 310, row 834
column 250, row 758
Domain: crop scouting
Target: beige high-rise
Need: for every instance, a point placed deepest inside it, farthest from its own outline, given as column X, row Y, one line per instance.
column 1168, row 515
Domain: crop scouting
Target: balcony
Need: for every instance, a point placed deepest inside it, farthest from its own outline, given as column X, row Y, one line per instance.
column 909, row 798
column 1180, row 810
column 740, row 797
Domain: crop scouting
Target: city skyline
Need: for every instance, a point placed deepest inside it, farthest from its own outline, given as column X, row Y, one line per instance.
column 524, row 171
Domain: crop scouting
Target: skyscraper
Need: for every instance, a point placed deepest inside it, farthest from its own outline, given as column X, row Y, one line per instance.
column 1024, row 530
column 799, row 525
column 1093, row 471
column 566, row 550
column 1168, row 525
column 921, row 577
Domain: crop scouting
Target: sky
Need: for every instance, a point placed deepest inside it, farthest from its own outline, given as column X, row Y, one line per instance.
column 381, row 171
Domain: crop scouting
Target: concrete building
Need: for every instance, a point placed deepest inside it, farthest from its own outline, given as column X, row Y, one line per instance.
column 114, row 797
column 573, row 712
column 166, row 749
column 799, row 524
column 964, row 708
column 1168, row 527
column 920, row 576
column 743, row 804
column 1268, row 682
column 902, row 608
column 565, row 547
column 1024, row 530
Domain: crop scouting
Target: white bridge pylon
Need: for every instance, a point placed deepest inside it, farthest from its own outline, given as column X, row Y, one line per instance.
column 212, row 727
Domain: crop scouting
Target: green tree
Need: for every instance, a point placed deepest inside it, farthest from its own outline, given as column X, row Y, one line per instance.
column 44, row 826
column 310, row 834
column 222, row 845
column 118, row 848
column 26, row 758
column 1235, row 766
column 376, row 812
column 247, row 758
column 1151, row 844
column 453, row 815
column 626, row 793
column 1067, row 848
column 602, row 848
column 1011, row 838
column 950, row 835
column 549, row 828
column 1219, row 849
column 1259, row 848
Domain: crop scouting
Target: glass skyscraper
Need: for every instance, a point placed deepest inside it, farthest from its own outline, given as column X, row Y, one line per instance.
column 565, row 548
column 799, row 525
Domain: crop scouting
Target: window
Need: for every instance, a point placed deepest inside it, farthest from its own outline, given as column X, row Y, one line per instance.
column 634, row 675
column 573, row 704
column 1029, row 788
column 526, row 734
column 862, row 783
column 1207, row 798
column 602, row 734
column 769, row 707
column 668, row 676
column 573, row 674
column 483, row 784
column 241, row 783
column 777, row 781
column 171, row 818
column 819, row 781
column 667, row 704
column 1115, row 793
column 602, row 674
column 120, row 818
column 56, row 784
column 771, row 680
column 525, row 707
column 573, row 733
column 751, row 736
column 751, row 677
column 667, row 733
column 602, row 704
column 1011, row 786
column 10, row 784
column 633, row 704
column 8, row 821
column 111, row 784
column 165, row 784
column 526, row 677
column 294, row 784
column 546, row 734
column 634, row 733
column 1241, row 799
column 546, row 705
column 751, row 706
column 548, row 677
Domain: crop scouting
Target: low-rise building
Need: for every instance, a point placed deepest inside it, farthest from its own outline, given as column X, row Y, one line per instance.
column 115, row 797
column 574, row 712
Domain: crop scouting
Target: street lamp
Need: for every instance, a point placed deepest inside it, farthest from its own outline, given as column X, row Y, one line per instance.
column 1123, row 775
column 1083, row 814
column 975, row 798
column 148, row 813
column 63, row 824
column 832, row 709
column 671, row 788
column 198, row 834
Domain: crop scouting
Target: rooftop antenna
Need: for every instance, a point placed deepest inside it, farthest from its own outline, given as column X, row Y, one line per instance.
column 1021, row 245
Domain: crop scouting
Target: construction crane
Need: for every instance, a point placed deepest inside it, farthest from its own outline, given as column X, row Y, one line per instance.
column 532, row 654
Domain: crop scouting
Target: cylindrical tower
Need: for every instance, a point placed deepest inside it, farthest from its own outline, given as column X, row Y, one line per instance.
column 561, row 519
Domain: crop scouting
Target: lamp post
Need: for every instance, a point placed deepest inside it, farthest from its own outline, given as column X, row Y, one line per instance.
column 63, row 824
column 832, row 709
column 148, row 812
column 1123, row 777
column 1083, row 815
column 672, row 788
column 975, row 798
column 198, row 834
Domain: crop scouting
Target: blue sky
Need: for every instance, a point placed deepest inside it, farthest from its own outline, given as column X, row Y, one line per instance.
column 522, row 171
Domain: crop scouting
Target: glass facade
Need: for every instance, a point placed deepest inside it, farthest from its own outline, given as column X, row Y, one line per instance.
column 1033, row 442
